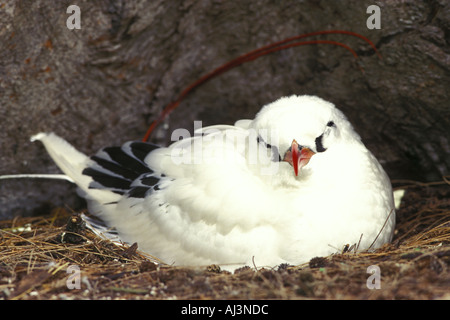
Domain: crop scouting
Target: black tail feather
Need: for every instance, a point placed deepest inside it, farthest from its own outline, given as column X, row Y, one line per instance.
column 123, row 170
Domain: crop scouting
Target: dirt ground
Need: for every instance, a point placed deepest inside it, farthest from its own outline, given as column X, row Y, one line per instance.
column 52, row 257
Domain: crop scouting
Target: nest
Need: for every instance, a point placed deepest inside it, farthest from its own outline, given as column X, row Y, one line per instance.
column 56, row 257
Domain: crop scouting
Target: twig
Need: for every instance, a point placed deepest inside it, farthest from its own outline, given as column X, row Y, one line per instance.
column 385, row 222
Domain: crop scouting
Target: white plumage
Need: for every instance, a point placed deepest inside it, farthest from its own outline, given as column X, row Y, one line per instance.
column 230, row 194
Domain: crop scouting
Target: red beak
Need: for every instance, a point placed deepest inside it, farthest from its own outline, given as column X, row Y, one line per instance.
column 298, row 156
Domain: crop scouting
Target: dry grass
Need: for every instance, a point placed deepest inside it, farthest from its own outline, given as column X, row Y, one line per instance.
column 34, row 263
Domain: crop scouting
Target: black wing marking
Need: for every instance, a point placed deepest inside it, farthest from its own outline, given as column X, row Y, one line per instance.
column 141, row 149
column 138, row 192
column 107, row 181
column 123, row 170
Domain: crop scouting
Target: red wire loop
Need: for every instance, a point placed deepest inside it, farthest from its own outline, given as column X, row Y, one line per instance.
column 252, row 55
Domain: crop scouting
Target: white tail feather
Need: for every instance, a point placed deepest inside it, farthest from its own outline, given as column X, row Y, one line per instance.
column 69, row 160
column 72, row 163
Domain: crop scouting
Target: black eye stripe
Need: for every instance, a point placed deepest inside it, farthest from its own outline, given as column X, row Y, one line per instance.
column 319, row 145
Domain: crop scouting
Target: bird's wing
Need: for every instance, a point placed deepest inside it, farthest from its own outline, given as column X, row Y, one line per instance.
column 181, row 204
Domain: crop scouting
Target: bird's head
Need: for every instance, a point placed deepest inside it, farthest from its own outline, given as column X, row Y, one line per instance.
column 300, row 128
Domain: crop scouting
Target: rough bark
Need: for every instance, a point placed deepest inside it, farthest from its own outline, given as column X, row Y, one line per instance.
column 103, row 84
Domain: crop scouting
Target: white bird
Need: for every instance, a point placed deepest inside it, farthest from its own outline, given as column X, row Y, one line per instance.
column 292, row 184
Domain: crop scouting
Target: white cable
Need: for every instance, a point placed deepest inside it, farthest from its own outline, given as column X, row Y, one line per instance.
column 37, row 176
